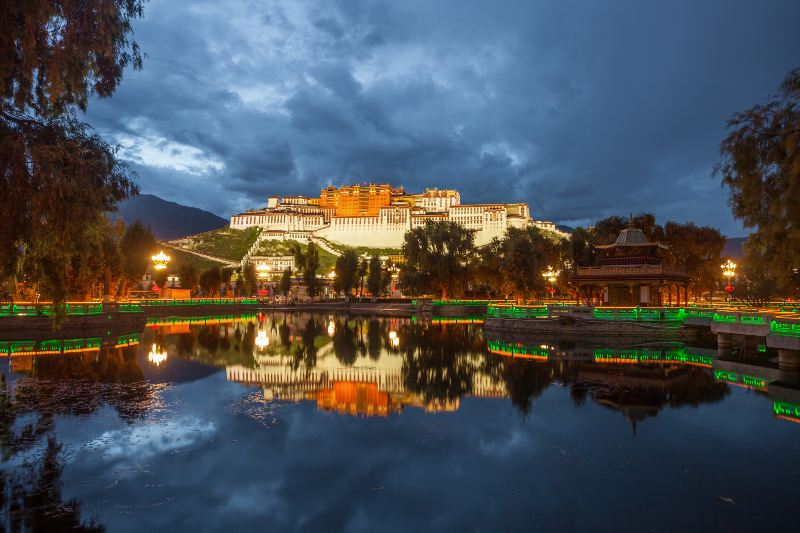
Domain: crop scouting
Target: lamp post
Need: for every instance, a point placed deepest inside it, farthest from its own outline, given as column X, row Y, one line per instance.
column 728, row 272
column 551, row 275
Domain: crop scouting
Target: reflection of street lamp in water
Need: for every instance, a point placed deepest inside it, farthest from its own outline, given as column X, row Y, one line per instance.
column 262, row 341
column 331, row 328
column 156, row 356
column 394, row 339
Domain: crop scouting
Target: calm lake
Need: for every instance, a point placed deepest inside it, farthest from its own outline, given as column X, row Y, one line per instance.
column 333, row 423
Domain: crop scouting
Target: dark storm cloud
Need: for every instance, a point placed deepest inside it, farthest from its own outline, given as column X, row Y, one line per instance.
column 582, row 109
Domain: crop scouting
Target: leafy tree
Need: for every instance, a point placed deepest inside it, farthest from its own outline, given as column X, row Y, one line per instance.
column 378, row 278
column 286, row 282
column 310, row 268
column 489, row 269
column 515, row 263
column 438, row 258
column 581, row 248
column 58, row 178
column 363, row 268
column 526, row 254
column 347, row 266
column 308, row 264
column 696, row 250
column 112, row 260
column 249, row 278
column 210, row 280
column 761, row 167
column 226, row 274
column 189, row 277
column 136, row 247
column 756, row 285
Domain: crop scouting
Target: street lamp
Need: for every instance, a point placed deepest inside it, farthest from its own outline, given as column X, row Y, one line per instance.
column 551, row 275
column 262, row 270
column 728, row 271
column 161, row 260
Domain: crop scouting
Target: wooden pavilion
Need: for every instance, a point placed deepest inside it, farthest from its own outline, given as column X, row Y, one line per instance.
column 632, row 273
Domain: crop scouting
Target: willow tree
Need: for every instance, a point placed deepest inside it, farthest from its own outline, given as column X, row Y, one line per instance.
column 761, row 167
column 57, row 177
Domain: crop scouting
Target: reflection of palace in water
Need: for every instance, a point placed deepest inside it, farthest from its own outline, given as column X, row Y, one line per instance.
column 376, row 367
column 368, row 387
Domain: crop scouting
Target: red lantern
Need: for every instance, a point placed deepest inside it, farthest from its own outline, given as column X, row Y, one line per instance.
column 729, row 288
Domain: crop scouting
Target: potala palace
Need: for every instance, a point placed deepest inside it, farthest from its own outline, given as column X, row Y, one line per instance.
column 378, row 216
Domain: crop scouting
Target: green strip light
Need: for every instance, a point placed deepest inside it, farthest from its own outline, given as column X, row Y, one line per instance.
column 651, row 356
column 725, row 319
column 786, row 410
column 785, row 329
column 741, row 379
column 516, row 348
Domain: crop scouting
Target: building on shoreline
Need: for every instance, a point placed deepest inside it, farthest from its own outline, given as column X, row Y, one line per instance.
column 379, row 216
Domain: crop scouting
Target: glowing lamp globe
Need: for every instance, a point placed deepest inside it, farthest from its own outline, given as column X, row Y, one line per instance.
column 551, row 275
column 728, row 269
column 262, row 270
column 160, row 260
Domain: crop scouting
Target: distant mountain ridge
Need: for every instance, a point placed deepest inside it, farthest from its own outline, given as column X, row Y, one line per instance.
column 168, row 220
column 733, row 248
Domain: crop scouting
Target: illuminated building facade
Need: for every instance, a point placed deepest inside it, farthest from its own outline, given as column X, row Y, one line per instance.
column 380, row 215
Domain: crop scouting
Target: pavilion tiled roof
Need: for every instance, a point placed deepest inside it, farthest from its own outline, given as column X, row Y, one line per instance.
column 631, row 237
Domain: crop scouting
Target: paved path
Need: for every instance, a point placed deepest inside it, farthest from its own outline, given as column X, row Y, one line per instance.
column 226, row 262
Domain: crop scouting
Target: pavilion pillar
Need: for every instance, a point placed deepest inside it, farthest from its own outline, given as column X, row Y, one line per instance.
column 724, row 344
column 789, row 359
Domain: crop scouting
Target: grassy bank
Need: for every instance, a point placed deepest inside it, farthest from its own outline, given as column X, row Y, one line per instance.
column 226, row 243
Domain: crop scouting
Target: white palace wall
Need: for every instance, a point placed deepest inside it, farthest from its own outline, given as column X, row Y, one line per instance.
column 388, row 228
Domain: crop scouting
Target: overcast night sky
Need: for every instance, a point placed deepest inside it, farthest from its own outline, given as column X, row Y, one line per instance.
column 583, row 109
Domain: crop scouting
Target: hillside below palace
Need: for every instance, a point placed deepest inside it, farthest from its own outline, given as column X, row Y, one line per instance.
column 379, row 216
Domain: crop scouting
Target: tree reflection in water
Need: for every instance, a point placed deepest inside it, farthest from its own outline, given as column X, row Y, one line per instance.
column 72, row 384
column 30, row 498
column 437, row 362
column 345, row 344
column 304, row 354
column 374, row 339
